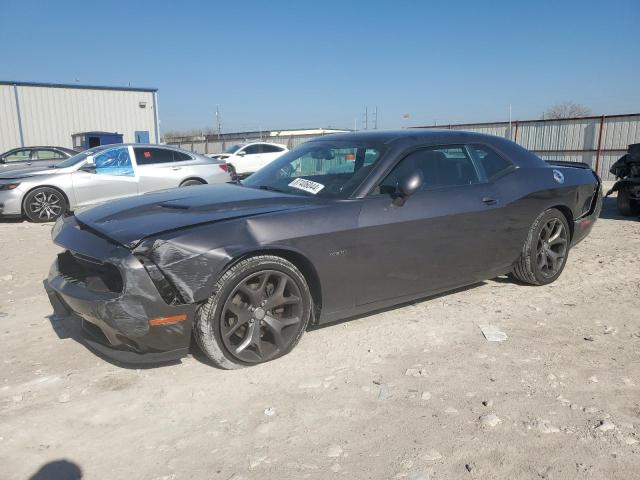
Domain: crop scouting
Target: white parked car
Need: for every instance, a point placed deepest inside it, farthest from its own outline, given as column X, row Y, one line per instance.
column 246, row 158
column 100, row 174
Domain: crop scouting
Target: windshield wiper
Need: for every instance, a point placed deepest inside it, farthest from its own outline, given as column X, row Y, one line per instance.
column 271, row 189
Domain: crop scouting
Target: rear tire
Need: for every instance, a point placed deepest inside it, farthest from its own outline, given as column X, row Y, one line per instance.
column 545, row 251
column 44, row 204
column 626, row 206
column 190, row 183
column 258, row 312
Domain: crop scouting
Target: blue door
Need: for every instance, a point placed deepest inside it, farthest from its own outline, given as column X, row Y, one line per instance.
column 142, row 137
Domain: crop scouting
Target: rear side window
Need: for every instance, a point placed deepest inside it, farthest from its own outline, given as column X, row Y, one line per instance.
column 271, row 149
column 180, row 156
column 492, row 164
column 152, row 156
column 50, row 154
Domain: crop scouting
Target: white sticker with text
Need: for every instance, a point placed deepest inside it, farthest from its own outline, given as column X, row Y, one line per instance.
column 306, row 185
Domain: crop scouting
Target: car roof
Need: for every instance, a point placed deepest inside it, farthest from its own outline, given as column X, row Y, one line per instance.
column 260, row 142
column 32, row 147
column 388, row 136
column 432, row 136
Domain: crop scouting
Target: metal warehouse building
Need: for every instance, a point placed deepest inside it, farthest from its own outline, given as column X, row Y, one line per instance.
column 49, row 114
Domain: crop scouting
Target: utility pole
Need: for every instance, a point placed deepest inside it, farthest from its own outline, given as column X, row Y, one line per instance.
column 218, row 124
column 366, row 118
column 375, row 118
column 510, row 122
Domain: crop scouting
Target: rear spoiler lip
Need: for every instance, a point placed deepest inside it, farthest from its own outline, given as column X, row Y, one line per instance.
column 563, row 163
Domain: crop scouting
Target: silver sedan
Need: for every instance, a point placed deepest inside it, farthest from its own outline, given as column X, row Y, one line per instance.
column 101, row 174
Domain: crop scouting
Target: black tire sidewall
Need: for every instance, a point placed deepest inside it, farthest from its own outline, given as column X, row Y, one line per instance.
column 33, row 193
column 625, row 205
column 229, row 281
column 544, row 219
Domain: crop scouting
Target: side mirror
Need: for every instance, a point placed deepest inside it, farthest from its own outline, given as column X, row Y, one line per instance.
column 89, row 168
column 242, row 153
column 407, row 186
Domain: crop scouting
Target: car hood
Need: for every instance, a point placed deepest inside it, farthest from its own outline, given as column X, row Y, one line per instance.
column 129, row 221
column 17, row 172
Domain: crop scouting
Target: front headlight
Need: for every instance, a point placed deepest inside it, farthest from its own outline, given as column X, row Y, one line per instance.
column 9, row 186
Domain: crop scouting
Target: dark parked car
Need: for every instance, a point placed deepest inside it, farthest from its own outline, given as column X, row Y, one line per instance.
column 32, row 156
column 342, row 225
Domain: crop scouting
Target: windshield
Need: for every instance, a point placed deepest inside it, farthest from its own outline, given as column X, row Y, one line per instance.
column 233, row 148
column 79, row 157
column 323, row 169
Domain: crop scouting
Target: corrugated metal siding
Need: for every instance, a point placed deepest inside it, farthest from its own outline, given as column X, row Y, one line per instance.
column 51, row 115
column 574, row 139
column 9, row 131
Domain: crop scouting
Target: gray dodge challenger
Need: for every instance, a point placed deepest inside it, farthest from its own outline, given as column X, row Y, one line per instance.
column 340, row 226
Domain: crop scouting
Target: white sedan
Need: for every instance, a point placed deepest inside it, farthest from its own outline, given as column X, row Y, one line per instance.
column 247, row 158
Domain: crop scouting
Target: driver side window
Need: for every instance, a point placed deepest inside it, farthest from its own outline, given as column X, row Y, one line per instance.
column 447, row 166
column 114, row 162
column 19, row 156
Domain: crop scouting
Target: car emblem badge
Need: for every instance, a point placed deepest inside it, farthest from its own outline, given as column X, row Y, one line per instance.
column 558, row 176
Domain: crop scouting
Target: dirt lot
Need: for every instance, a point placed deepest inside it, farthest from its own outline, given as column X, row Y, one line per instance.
column 416, row 392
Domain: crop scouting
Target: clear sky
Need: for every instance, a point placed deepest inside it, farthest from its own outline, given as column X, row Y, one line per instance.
column 316, row 63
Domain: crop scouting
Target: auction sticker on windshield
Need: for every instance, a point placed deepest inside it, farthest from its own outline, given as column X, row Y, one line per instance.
column 306, row 185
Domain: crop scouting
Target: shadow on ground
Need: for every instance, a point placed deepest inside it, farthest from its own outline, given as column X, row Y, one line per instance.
column 58, row 470
column 610, row 211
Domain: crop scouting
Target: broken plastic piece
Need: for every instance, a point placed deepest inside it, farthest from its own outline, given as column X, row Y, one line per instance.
column 493, row 333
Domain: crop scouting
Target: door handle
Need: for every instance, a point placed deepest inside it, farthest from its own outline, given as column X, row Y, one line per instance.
column 176, row 168
column 489, row 201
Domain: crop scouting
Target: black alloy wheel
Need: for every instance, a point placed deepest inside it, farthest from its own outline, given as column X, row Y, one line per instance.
column 260, row 316
column 259, row 310
column 551, row 250
column 545, row 251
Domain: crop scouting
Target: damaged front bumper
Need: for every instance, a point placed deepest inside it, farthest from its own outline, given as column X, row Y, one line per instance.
column 124, row 316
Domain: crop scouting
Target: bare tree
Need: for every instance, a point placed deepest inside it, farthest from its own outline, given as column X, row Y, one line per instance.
column 567, row 110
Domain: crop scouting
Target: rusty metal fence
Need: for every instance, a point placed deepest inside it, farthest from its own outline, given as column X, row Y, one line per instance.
column 598, row 141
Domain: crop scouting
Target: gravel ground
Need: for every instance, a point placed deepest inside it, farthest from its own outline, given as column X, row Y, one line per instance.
column 415, row 392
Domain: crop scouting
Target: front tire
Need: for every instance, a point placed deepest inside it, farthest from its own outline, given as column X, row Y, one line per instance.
column 44, row 204
column 259, row 310
column 545, row 251
column 626, row 206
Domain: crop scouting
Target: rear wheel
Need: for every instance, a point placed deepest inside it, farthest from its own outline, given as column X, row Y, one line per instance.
column 44, row 204
column 545, row 251
column 259, row 310
column 626, row 205
column 189, row 183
